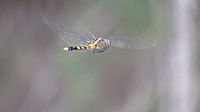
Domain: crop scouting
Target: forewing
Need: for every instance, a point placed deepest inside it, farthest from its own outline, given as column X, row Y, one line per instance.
column 66, row 34
column 132, row 43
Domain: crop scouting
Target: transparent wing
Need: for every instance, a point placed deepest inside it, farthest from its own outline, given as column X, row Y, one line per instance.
column 67, row 35
column 132, row 43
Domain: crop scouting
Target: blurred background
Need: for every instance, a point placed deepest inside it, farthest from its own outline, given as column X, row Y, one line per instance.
column 36, row 75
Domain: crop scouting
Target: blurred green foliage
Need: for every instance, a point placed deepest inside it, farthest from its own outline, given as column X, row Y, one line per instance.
column 136, row 15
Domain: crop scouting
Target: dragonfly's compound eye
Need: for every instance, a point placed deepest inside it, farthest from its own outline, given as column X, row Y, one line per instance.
column 108, row 42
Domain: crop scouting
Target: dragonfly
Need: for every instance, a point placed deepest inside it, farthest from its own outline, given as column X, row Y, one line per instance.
column 93, row 43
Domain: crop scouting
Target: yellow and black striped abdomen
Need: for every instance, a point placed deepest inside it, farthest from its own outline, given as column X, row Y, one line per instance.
column 88, row 47
column 72, row 48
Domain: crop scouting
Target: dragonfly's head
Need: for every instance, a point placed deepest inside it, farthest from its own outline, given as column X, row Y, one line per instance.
column 102, row 45
column 107, row 43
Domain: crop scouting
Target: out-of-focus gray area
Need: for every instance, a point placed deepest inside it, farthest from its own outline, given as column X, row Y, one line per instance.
column 36, row 75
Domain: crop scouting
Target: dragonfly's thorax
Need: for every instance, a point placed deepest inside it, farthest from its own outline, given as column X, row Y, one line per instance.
column 101, row 44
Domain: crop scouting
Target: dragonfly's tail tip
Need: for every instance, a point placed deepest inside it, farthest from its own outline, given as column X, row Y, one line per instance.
column 66, row 49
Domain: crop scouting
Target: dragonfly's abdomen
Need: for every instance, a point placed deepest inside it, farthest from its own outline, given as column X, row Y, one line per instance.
column 72, row 48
